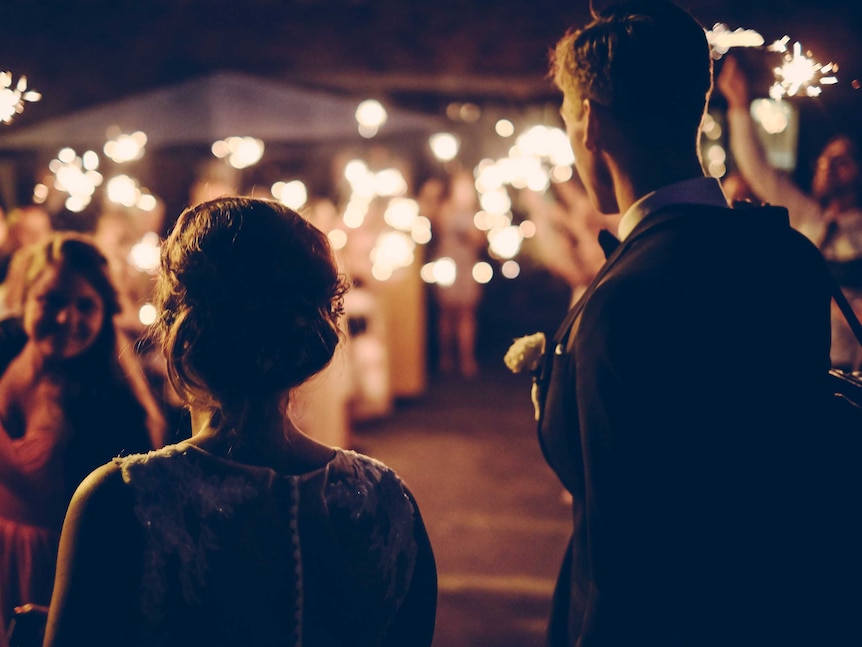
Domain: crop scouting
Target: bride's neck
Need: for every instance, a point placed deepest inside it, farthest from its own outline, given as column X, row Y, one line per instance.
column 266, row 438
column 264, row 420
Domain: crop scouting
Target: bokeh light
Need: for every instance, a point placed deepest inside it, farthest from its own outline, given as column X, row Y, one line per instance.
column 146, row 253
column 337, row 238
column 370, row 116
column 240, row 152
column 505, row 242
column 123, row 147
column 147, row 314
column 510, row 269
column 482, row 272
column 76, row 176
column 504, row 128
column 401, row 213
column 445, row 146
column 292, row 194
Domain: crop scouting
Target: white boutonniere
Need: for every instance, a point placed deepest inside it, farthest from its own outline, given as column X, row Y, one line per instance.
column 524, row 355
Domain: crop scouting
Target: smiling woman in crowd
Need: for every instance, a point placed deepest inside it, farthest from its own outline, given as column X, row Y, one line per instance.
column 71, row 397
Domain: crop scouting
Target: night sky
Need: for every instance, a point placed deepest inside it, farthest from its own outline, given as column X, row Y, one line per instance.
column 83, row 52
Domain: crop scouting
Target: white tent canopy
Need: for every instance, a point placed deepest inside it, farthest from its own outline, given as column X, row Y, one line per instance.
column 209, row 108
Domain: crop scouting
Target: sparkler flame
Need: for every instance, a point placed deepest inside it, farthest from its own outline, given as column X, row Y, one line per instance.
column 799, row 73
column 721, row 39
column 12, row 98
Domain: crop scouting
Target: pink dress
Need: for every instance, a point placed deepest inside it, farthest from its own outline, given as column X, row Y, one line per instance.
column 33, row 500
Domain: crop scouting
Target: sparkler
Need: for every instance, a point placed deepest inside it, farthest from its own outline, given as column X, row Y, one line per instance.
column 12, row 98
column 721, row 39
column 799, row 74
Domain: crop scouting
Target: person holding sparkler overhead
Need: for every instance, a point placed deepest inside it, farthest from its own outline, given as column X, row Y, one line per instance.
column 831, row 215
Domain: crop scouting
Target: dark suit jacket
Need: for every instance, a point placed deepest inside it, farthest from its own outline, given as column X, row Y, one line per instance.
column 686, row 467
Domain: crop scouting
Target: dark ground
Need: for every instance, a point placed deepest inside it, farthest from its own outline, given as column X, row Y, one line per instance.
column 493, row 509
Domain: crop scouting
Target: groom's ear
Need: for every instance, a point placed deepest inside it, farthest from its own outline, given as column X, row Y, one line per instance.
column 592, row 125
column 601, row 131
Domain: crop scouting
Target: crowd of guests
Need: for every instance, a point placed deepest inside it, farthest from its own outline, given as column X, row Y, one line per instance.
column 686, row 493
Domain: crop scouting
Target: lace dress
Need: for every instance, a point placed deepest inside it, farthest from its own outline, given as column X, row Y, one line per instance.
column 242, row 555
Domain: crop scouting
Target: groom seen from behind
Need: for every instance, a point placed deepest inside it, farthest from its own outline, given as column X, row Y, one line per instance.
column 693, row 520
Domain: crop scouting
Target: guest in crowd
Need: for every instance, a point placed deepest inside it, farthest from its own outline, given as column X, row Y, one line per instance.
column 14, row 283
column 457, row 239
column 567, row 230
column 71, row 397
column 831, row 215
column 250, row 532
column 696, row 518
column 26, row 225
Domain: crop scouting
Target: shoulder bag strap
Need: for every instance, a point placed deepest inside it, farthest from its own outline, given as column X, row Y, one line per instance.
column 846, row 309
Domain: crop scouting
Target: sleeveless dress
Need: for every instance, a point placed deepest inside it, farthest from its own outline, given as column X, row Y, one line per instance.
column 242, row 555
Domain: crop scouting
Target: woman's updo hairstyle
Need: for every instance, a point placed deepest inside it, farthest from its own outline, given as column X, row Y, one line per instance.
column 249, row 299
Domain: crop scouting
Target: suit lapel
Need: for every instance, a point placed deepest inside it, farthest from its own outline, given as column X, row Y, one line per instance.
column 563, row 332
column 558, row 425
column 564, row 335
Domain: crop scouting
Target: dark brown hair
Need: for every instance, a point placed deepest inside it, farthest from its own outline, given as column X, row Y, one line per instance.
column 249, row 300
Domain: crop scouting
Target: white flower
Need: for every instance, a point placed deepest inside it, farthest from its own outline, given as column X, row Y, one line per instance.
column 534, row 397
column 525, row 353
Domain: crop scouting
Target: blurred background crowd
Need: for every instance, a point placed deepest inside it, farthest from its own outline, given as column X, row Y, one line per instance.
column 459, row 228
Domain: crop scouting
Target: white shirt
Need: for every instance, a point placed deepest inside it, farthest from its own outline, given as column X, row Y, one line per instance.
column 699, row 190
